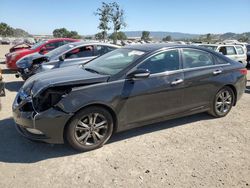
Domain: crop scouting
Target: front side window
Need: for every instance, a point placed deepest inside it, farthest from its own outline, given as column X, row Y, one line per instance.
column 165, row 61
column 85, row 51
column 196, row 58
column 239, row 50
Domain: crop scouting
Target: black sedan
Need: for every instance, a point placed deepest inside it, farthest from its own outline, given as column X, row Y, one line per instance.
column 126, row 88
column 67, row 55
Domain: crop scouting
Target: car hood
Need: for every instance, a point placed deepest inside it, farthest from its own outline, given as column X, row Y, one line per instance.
column 26, row 61
column 68, row 76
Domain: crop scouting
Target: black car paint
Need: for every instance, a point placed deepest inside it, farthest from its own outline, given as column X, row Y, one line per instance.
column 132, row 103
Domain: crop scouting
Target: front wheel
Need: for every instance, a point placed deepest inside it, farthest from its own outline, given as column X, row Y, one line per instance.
column 89, row 129
column 223, row 102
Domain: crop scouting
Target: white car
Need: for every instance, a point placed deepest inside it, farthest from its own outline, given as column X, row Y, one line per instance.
column 234, row 52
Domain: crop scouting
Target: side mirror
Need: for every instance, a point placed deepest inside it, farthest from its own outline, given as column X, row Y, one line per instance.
column 139, row 74
column 61, row 57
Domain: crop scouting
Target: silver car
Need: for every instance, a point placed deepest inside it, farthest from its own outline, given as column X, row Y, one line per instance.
column 66, row 55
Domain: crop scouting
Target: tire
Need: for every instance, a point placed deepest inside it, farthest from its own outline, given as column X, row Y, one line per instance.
column 222, row 103
column 89, row 129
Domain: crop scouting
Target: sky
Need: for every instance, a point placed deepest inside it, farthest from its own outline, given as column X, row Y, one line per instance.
column 187, row 16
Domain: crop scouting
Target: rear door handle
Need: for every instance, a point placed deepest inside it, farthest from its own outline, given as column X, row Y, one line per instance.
column 177, row 81
column 216, row 72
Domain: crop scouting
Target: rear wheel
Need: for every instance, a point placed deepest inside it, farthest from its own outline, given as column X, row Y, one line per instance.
column 223, row 102
column 89, row 129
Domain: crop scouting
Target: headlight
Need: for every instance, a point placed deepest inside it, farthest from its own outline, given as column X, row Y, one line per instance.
column 14, row 56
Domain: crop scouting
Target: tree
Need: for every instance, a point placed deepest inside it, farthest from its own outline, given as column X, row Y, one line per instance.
column 119, row 36
column 208, row 37
column 99, row 36
column 145, row 35
column 104, row 18
column 167, row 38
column 64, row 33
column 117, row 18
column 6, row 30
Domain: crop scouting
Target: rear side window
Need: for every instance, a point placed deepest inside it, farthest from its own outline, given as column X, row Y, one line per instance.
column 196, row 58
column 100, row 50
column 230, row 50
column 219, row 60
column 239, row 50
column 165, row 61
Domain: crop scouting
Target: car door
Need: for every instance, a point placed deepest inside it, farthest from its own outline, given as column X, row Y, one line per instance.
column 160, row 94
column 201, row 76
column 79, row 55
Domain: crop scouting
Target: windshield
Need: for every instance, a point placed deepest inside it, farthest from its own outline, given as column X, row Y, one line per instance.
column 114, row 62
column 209, row 47
column 56, row 52
column 38, row 45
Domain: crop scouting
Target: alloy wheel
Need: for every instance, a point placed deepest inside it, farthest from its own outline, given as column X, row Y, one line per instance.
column 91, row 129
column 223, row 102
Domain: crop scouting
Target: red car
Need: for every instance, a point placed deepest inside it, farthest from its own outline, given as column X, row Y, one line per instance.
column 41, row 47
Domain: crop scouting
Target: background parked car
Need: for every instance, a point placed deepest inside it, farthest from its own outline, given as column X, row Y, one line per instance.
column 126, row 88
column 19, row 46
column 66, row 55
column 234, row 52
column 248, row 55
column 42, row 47
column 2, row 90
column 5, row 41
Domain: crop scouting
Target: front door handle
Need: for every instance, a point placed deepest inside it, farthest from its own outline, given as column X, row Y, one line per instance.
column 216, row 72
column 177, row 81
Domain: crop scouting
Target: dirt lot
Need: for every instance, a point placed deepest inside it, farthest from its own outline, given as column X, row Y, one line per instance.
column 195, row 151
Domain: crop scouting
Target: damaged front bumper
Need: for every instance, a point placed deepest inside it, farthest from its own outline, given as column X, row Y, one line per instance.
column 47, row 126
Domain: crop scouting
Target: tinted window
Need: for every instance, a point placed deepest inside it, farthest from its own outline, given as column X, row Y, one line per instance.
column 166, row 61
column 219, row 60
column 100, row 50
column 230, row 50
column 239, row 50
column 196, row 58
column 223, row 50
column 248, row 48
column 85, row 51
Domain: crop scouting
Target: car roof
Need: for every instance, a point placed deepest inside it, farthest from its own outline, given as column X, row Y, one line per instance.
column 158, row 46
column 92, row 43
column 61, row 39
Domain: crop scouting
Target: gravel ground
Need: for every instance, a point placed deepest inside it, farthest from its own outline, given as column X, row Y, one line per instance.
column 195, row 151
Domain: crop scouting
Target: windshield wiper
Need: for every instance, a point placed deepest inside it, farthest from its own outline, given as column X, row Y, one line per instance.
column 91, row 70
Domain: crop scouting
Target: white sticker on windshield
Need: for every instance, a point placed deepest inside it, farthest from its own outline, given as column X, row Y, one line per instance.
column 135, row 52
column 71, row 46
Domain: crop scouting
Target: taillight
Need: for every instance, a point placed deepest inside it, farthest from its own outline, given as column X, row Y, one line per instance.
column 243, row 71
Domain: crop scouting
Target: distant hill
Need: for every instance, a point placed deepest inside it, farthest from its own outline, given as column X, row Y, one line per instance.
column 158, row 35
column 162, row 34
